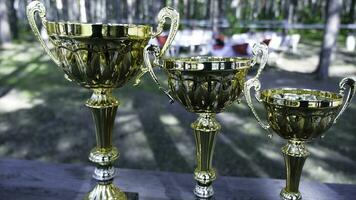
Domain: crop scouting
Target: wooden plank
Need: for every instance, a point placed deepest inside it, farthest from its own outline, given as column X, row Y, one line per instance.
column 22, row 179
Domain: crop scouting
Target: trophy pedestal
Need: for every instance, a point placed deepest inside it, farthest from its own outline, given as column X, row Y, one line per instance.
column 110, row 192
column 103, row 106
column 106, row 191
column 203, row 192
column 285, row 195
column 295, row 153
column 205, row 130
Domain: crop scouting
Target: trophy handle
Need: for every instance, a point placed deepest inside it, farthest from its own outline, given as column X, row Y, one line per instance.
column 259, row 49
column 155, row 51
column 173, row 15
column 31, row 10
column 255, row 83
column 343, row 83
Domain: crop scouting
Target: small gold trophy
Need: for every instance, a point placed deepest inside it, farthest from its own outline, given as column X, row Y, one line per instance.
column 299, row 116
column 101, row 57
column 206, row 86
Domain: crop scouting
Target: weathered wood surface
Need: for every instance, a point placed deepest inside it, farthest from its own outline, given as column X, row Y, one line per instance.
column 22, row 179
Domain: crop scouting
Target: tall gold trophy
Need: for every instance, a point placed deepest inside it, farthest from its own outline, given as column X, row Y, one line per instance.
column 206, row 86
column 299, row 116
column 101, row 57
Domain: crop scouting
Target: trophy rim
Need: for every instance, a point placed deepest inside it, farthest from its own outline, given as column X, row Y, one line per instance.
column 109, row 30
column 331, row 100
column 207, row 63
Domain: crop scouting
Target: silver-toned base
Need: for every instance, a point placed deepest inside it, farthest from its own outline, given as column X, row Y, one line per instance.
column 285, row 195
column 203, row 191
column 106, row 192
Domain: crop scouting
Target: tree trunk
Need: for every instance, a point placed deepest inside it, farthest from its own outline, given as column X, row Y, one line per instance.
column 125, row 8
column 12, row 17
column 207, row 13
column 5, row 34
column 286, row 10
column 215, row 16
column 65, row 10
column 330, row 38
column 352, row 11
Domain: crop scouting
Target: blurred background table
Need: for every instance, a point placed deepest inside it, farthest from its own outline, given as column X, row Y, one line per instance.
column 23, row 179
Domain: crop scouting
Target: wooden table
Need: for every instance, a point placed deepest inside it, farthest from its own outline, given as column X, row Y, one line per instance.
column 23, row 179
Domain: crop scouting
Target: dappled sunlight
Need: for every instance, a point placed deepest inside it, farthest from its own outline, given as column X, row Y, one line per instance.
column 169, row 120
column 65, row 143
column 230, row 119
column 251, row 128
column 179, row 135
column 329, row 154
column 125, row 106
column 4, row 150
column 343, row 71
column 15, row 100
column 130, row 124
column 4, row 127
column 135, row 147
column 249, row 159
column 241, row 106
column 247, row 127
column 323, row 172
column 272, row 154
column 304, row 65
column 20, row 152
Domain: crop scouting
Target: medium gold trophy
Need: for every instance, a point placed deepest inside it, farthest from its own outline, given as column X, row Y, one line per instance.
column 101, row 57
column 299, row 116
column 206, row 86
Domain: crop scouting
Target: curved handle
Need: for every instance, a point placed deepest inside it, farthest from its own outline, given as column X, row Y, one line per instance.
column 343, row 83
column 31, row 10
column 260, row 50
column 173, row 15
column 155, row 52
column 255, row 83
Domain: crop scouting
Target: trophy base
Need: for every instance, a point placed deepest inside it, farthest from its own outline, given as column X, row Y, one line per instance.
column 285, row 195
column 110, row 192
column 203, row 192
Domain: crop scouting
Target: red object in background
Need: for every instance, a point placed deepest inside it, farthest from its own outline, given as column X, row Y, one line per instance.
column 240, row 49
column 220, row 37
column 267, row 41
column 162, row 40
column 219, row 41
column 216, row 46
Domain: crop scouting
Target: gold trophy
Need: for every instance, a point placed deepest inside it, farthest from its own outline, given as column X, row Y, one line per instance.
column 101, row 57
column 299, row 116
column 206, row 86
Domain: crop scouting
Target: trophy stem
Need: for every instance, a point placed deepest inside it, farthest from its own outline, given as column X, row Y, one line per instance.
column 103, row 106
column 205, row 130
column 295, row 153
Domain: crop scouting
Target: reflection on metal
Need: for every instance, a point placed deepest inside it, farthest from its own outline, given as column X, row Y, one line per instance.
column 206, row 86
column 299, row 116
column 100, row 57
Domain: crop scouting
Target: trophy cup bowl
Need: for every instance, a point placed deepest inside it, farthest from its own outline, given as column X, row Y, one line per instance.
column 101, row 57
column 206, row 86
column 299, row 116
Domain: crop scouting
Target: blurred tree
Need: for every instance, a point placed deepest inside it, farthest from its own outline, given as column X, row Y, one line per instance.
column 352, row 11
column 5, row 34
column 12, row 17
column 331, row 31
column 211, row 11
